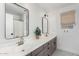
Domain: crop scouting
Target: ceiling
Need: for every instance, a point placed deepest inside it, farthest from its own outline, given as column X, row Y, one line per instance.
column 53, row 6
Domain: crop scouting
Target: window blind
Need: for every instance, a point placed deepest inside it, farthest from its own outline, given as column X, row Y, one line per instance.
column 68, row 19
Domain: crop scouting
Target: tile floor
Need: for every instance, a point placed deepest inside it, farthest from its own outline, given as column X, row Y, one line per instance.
column 63, row 53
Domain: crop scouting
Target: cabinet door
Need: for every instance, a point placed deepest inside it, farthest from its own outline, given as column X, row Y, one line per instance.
column 37, row 51
column 43, row 52
column 50, row 48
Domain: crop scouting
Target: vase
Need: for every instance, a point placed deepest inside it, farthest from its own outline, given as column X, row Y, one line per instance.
column 37, row 37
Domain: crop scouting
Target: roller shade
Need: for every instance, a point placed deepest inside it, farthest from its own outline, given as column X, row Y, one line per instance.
column 68, row 19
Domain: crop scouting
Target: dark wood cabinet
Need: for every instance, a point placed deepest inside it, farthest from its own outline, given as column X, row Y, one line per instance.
column 45, row 50
column 37, row 51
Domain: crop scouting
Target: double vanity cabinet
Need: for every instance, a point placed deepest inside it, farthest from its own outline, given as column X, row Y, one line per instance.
column 44, row 46
column 46, row 49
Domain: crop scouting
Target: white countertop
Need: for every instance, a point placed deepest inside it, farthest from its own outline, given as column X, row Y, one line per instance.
column 29, row 45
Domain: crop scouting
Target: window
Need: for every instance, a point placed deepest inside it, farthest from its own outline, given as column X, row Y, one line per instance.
column 68, row 19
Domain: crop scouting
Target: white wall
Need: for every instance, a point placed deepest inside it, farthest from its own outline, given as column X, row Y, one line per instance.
column 51, row 20
column 33, row 22
column 68, row 41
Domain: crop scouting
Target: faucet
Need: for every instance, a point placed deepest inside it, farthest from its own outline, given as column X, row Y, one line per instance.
column 21, row 41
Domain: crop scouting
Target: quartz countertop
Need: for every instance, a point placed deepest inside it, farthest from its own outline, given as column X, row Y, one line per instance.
column 29, row 45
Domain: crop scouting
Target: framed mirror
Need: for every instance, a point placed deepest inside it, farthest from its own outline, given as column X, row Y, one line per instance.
column 45, row 24
column 17, row 21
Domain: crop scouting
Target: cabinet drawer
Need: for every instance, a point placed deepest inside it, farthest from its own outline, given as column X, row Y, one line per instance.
column 37, row 51
column 43, row 53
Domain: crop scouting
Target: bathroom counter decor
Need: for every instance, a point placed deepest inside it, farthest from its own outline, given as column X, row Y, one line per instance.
column 37, row 32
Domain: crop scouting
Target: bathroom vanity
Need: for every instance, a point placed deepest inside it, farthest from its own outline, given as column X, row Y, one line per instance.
column 45, row 46
column 46, row 49
column 17, row 28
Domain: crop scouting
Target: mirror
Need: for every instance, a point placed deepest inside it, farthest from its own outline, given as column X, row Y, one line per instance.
column 17, row 21
column 45, row 24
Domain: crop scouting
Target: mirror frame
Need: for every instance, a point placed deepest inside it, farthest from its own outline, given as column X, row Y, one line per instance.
column 43, row 26
column 27, row 21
